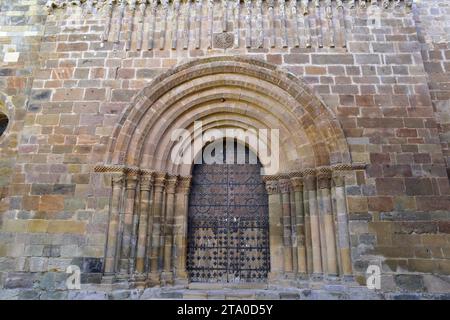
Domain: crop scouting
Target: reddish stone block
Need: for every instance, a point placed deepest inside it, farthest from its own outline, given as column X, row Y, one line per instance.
column 381, row 204
column 390, row 186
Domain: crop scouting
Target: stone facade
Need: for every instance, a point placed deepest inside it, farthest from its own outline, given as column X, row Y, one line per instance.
column 93, row 90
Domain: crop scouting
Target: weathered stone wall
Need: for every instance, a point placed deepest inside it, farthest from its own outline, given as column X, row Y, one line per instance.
column 432, row 19
column 383, row 75
column 21, row 30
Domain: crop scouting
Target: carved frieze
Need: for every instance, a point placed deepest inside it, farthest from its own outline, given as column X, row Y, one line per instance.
column 293, row 23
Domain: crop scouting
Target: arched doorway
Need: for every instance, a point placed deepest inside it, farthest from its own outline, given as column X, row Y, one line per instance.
column 150, row 192
column 228, row 220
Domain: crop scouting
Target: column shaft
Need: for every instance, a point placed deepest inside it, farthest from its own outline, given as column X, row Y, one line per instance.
column 275, row 229
column 134, row 230
column 314, row 220
column 308, row 239
column 287, row 232
column 145, row 210
column 180, row 228
column 168, row 226
column 113, row 227
column 297, row 184
column 342, row 225
column 326, row 214
column 157, row 212
column 130, row 194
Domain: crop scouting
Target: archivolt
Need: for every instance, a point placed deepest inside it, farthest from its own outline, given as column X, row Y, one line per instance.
column 227, row 92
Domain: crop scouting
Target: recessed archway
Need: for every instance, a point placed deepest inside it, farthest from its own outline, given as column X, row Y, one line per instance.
column 216, row 89
column 308, row 231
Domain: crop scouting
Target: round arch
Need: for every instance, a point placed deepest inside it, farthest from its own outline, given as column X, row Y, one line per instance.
column 227, row 91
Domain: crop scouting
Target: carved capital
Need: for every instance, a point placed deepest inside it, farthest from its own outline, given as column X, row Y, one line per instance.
column 297, row 183
column 171, row 184
column 272, row 186
column 117, row 180
column 284, row 185
column 338, row 180
column 160, row 181
column 147, row 180
column 324, row 179
column 132, row 180
column 184, row 185
column 309, row 180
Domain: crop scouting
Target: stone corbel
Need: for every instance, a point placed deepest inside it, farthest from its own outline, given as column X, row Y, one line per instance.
column 351, row 4
column 305, row 9
column 363, row 4
column 53, row 4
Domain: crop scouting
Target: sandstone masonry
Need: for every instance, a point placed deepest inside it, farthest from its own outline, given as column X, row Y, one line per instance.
column 376, row 74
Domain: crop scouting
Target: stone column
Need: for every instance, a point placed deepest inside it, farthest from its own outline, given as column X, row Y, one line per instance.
column 134, row 228
column 284, row 186
column 111, row 256
column 342, row 224
column 299, row 244
column 308, row 240
column 275, row 229
column 167, row 275
column 180, row 229
column 310, row 184
column 326, row 215
column 145, row 212
column 323, row 241
column 130, row 193
column 159, row 184
column 294, row 236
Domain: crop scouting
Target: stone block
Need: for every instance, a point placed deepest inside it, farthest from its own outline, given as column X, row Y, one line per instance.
column 72, row 227
column 50, row 203
column 409, row 283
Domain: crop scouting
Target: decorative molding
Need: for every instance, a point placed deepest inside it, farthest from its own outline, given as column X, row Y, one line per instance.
column 93, row 6
column 325, row 170
column 294, row 22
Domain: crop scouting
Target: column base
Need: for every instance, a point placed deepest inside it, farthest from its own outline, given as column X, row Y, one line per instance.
column 153, row 279
column 182, row 282
column 302, row 276
column 181, row 278
column 274, row 276
column 316, row 276
column 332, row 277
column 139, row 280
column 108, row 278
column 166, row 278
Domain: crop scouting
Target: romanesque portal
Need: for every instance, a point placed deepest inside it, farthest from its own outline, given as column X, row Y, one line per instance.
column 92, row 91
column 163, row 228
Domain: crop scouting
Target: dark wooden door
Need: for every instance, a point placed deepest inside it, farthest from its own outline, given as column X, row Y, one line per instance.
column 228, row 230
